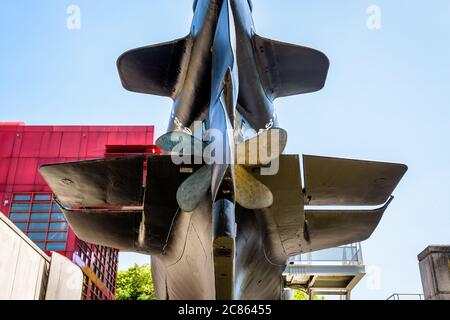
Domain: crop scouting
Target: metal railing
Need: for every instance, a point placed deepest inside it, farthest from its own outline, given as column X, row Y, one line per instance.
column 345, row 255
column 406, row 296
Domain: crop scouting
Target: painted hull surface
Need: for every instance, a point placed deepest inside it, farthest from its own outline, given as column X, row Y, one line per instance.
column 187, row 271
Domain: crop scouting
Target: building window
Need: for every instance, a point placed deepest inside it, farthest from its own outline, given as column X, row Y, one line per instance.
column 55, row 246
column 55, row 236
column 22, row 197
column 41, row 245
column 103, row 263
column 42, row 197
column 37, row 235
column 85, row 287
column 58, row 217
column 40, row 208
column 38, row 216
column 19, row 207
column 62, row 226
column 38, row 226
column 19, row 217
column 21, row 225
column 55, row 208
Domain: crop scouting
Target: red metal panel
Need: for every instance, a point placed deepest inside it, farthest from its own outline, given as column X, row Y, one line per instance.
column 72, row 240
column 101, row 128
column 141, row 129
column 7, row 139
column 5, row 125
column 26, row 171
column 4, row 170
column 31, row 144
column 25, row 188
column 70, row 144
column 96, row 144
column 68, row 128
column 17, row 144
column 51, row 143
column 36, row 128
column 117, row 138
column 136, row 138
column 149, row 137
column 83, row 144
column 11, row 174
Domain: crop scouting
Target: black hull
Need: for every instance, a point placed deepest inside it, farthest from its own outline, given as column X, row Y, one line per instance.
column 227, row 77
column 186, row 271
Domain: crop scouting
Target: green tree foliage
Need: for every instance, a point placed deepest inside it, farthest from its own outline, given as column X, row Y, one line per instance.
column 135, row 284
column 300, row 295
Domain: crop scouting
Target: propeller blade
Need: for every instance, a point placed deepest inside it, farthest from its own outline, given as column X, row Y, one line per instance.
column 180, row 142
column 262, row 149
column 193, row 189
column 251, row 193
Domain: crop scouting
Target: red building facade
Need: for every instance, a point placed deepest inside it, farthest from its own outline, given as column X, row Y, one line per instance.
column 27, row 200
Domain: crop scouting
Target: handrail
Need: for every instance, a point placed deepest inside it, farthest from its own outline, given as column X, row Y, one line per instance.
column 344, row 255
column 398, row 296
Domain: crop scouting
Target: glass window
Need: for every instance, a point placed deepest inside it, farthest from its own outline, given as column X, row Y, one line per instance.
column 57, row 236
column 37, row 235
column 58, row 226
column 42, row 197
column 39, row 217
column 20, row 207
column 41, row 245
column 58, row 217
column 56, row 246
column 22, row 197
column 40, row 207
column 55, row 208
column 19, row 217
column 38, row 226
column 21, row 226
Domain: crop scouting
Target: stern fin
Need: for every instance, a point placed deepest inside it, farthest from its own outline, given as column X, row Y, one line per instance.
column 154, row 69
column 288, row 69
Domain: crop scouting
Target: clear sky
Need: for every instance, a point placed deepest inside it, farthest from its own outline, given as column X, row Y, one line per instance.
column 387, row 95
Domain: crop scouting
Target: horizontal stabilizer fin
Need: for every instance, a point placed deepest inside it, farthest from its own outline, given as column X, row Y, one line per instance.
column 328, row 229
column 112, row 229
column 153, row 69
column 112, row 182
column 92, row 204
column 289, row 69
column 341, row 182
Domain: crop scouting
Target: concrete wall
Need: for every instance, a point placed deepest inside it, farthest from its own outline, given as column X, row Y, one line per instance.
column 65, row 280
column 26, row 273
column 434, row 263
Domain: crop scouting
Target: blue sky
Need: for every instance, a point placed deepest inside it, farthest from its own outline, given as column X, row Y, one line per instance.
column 387, row 95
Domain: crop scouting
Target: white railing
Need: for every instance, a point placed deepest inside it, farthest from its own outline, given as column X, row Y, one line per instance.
column 406, row 296
column 345, row 255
